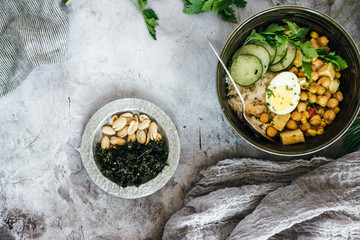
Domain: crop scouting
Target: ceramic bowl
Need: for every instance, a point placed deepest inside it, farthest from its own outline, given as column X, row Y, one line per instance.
column 93, row 134
column 339, row 41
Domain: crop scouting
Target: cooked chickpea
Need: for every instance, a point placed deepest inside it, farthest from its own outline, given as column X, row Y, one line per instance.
column 320, row 111
column 271, row 132
column 301, row 73
column 337, row 75
column 314, row 43
column 305, row 127
column 322, row 100
column 315, row 120
column 314, row 76
column 332, row 103
column 301, row 106
column 322, row 41
column 325, row 82
column 303, row 96
column 291, row 124
column 317, row 63
column 313, row 68
column 327, row 94
column 320, row 90
column 312, row 98
column 296, row 116
column 264, row 117
column 338, row 95
column 329, row 115
column 313, row 88
column 294, row 70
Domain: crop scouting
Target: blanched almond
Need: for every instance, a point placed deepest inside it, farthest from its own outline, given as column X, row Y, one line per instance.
column 117, row 141
column 153, row 130
column 127, row 115
column 105, row 143
column 123, row 132
column 141, row 136
column 133, row 126
column 144, row 117
column 131, row 138
column 114, row 118
column 144, row 124
column 158, row 137
column 119, row 123
column 108, row 130
column 147, row 138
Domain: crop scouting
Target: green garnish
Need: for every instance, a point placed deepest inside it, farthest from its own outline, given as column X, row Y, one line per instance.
column 336, row 61
column 132, row 163
column 222, row 7
column 270, row 93
column 149, row 16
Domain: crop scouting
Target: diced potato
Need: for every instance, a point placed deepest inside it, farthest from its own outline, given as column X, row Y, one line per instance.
column 292, row 137
column 327, row 70
column 298, row 58
column 334, row 85
column 279, row 121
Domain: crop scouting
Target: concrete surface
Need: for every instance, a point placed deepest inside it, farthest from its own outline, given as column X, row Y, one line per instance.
column 45, row 193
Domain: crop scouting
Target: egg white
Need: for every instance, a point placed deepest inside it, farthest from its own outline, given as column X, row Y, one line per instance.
column 283, row 93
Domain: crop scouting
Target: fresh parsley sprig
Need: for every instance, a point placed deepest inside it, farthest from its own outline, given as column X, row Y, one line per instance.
column 222, row 7
column 336, row 60
column 149, row 16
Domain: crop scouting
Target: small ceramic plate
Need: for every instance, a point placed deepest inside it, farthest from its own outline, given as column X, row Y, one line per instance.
column 92, row 135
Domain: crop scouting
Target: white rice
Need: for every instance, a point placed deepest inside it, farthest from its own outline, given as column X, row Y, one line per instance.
column 254, row 98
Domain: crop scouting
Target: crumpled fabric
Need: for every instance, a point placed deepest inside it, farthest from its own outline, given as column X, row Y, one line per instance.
column 32, row 33
column 256, row 199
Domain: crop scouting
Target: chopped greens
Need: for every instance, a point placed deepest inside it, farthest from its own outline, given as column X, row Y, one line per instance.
column 132, row 163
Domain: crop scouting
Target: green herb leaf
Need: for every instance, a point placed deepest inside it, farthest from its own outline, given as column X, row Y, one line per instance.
column 227, row 14
column 273, row 28
column 193, row 6
column 208, row 5
column 338, row 62
column 306, row 66
column 296, row 33
column 150, row 18
column 142, row 3
column 308, row 51
column 240, row 3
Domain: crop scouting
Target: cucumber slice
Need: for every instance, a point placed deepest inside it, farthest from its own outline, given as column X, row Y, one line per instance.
column 271, row 50
column 280, row 52
column 259, row 52
column 286, row 61
column 246, row 70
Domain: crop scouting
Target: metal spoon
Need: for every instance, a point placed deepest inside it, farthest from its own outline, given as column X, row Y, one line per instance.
column 248, row 121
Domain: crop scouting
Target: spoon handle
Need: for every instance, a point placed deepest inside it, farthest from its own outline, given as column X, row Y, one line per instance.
column 227, row 71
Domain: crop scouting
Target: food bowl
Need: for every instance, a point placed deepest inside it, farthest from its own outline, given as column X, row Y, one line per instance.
column 93, row 134
column 339, row 41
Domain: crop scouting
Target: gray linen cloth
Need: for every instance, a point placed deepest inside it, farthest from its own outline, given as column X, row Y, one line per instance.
column 32, row 33
column 254, row 199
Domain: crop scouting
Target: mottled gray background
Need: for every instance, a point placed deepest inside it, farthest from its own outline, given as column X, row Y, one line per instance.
column 44, row 190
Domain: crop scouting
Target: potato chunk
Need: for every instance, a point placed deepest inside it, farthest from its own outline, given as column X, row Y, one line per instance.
column 327, row 70
column 279, row 121
column 292, row 137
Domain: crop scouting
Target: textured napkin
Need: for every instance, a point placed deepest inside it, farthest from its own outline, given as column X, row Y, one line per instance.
column 254, row 199
column 32, row 33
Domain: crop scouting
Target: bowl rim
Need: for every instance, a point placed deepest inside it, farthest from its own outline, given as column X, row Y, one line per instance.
column 104, row 115
column 219, row 66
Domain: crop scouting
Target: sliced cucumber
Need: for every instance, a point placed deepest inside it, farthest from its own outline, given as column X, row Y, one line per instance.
column 286, row 61
column 280, row 52
column 271, row 50
column 259, row 52
column 246, row 69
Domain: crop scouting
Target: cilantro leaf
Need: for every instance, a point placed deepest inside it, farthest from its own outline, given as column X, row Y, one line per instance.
column 142, row 3
column 306, row 66
column 338, row 62
column 193, row 6
column 302, row 32
column 208, row 5
column 296, row 33
column 227, row 14
column 222, row 7
column 273, row 28
column 150, row 18
column 308, row 51
column 240, row 3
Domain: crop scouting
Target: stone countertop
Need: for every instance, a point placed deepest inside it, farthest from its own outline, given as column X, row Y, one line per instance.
column 45, row 191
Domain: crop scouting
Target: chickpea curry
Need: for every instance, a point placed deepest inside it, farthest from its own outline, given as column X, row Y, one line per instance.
column 304, row 97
